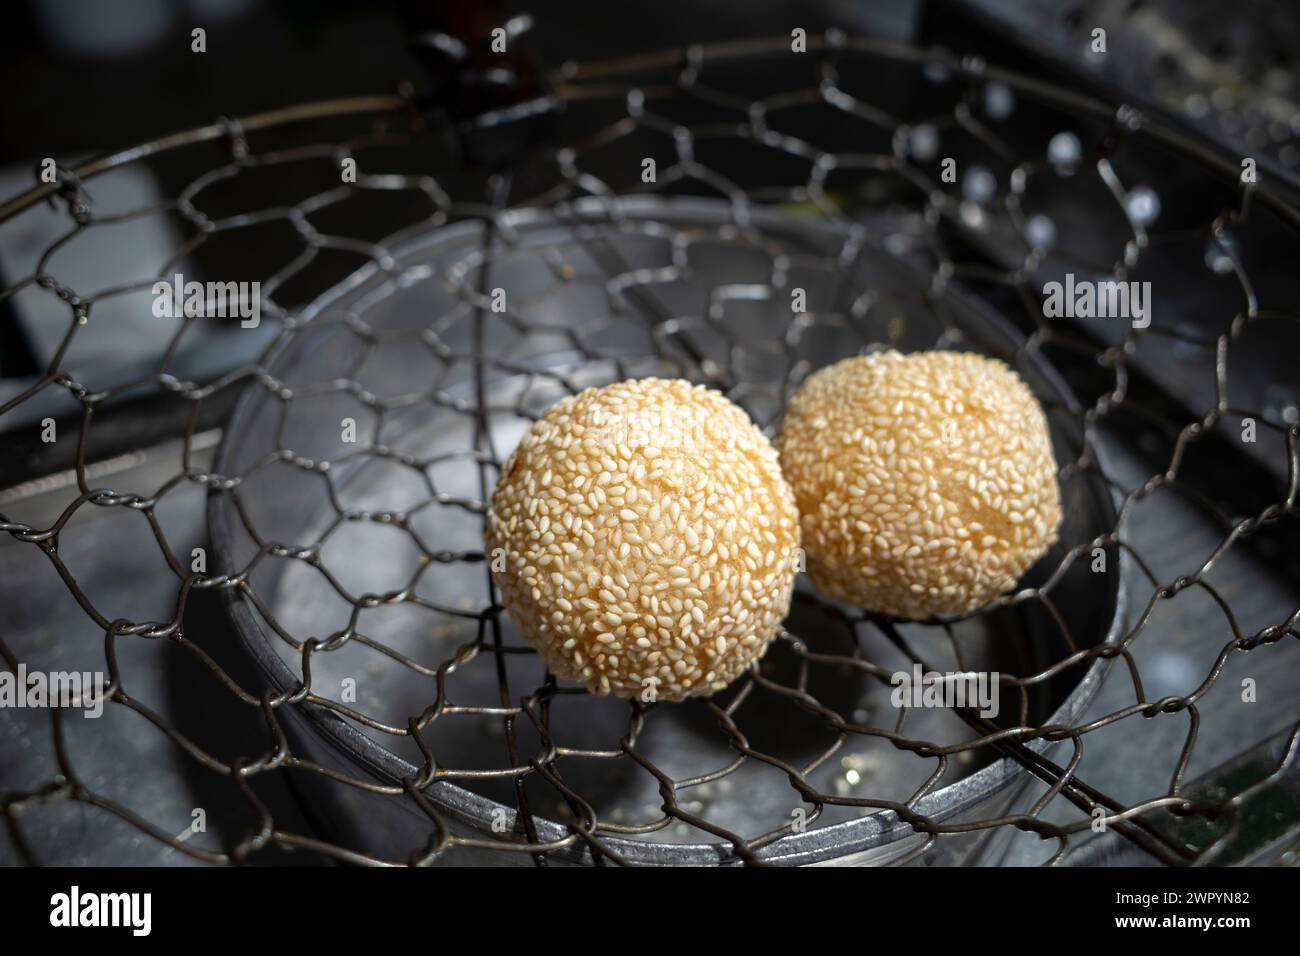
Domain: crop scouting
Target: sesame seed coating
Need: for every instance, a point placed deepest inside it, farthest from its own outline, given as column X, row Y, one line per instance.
column 642, row 536
column 926, row 483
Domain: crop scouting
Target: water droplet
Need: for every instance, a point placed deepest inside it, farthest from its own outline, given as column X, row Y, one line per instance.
column 979, row 184
column 972, row 214
column 1219, row 253
column 1065, row 152
column 1280, row 404
column 1143, row 205
column 999, row 101
column 923, row 142
column 1040, row 232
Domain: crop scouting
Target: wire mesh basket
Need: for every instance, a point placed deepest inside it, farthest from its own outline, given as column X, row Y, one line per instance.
column 386, row 387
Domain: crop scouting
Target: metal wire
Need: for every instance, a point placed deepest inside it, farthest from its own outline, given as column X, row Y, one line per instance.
column 874, row 186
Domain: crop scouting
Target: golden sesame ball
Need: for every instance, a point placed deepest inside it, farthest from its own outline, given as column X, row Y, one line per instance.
column 644, row 540
column 926, row 483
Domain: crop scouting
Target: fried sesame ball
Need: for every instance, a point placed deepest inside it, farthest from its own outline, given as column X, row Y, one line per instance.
column 925, row 482
column 644, row 540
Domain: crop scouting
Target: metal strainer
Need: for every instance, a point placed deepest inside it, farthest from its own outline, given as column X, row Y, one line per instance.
column 383, row 536
column 346, row 500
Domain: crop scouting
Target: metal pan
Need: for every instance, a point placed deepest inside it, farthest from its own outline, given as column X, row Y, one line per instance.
column 399, row 598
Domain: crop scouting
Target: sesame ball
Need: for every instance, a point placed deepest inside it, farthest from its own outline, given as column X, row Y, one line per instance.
column 926, row 483
column 644, row 540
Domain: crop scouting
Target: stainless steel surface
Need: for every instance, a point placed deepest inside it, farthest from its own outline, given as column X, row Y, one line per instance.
column 554, row 263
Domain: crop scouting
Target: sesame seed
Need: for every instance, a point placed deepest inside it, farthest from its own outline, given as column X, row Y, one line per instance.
column 644, row 482
column 897, row 516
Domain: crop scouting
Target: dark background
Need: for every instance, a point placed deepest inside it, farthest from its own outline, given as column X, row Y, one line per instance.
column 89, row 75
column 81, row 76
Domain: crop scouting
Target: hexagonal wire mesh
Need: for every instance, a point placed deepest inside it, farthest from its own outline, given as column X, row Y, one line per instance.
column 397, row 692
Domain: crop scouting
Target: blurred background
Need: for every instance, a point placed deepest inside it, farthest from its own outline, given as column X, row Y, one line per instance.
column 83, row 78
